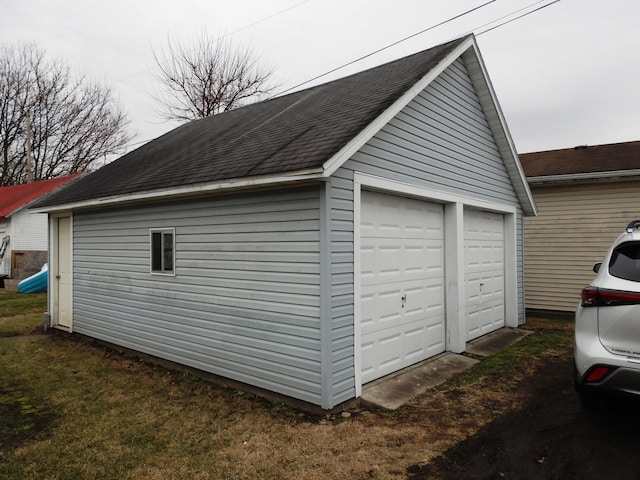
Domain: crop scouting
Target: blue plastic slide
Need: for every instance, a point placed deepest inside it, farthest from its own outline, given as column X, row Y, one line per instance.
column 35, row 283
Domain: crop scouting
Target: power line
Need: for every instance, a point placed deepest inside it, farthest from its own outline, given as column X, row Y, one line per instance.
column 403, row 39
column 518, row 17
column 515, row 18
column 257, row 22
column 269, row 17
column 264, row 19
column 385, row 48
column 498, row 19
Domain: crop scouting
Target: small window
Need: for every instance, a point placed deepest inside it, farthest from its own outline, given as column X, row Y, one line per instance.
column 625, row 262
column 163, row 251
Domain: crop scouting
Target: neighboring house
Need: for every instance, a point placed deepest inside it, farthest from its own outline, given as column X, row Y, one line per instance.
column 585, row 196
column 23, row 234
column 307, row 244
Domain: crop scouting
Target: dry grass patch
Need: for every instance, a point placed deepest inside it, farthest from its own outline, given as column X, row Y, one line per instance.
column 21, row 313
column 109, row 416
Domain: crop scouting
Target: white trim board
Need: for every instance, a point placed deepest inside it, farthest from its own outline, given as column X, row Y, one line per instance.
column 406, row 189
column 187, row 191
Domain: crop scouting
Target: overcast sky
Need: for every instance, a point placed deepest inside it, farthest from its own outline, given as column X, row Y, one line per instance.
column 566, row 75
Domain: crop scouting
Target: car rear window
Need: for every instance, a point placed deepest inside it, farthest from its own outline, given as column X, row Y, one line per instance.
column 625, row 261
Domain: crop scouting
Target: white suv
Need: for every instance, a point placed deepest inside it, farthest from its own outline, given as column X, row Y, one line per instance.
column 607, row 330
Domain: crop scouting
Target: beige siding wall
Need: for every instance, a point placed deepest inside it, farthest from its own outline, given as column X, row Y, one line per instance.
column 575, row 226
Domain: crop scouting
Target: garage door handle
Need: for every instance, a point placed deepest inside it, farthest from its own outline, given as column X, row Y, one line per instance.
column 58, row 277
column 404, row 300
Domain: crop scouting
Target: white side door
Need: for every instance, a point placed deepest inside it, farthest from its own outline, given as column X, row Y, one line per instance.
column 61, row 272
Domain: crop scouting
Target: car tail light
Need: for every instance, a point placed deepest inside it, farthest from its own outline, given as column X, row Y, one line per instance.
column 597, row 373
column 602, row 297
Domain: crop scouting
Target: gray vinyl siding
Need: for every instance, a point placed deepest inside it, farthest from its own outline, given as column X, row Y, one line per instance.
column 244, row 302
column 341, row 295
column 441, row 140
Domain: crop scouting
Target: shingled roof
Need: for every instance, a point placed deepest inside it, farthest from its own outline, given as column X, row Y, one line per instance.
column 300, row 136
column 583, row 161
column 295, row 132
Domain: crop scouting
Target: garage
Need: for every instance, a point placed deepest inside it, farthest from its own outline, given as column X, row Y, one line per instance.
column 402, row 282
column 484, row 272
column 319, row 253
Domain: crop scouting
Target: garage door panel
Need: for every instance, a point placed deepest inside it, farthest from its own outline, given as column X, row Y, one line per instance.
column 393, row 216
column 400, row 259
column 392, row 348
column 484, row 272
column 403, row 300
column 402, row 282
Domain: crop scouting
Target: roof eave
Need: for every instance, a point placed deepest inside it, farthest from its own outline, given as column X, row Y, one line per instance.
column 188, row 191
column 612, row 175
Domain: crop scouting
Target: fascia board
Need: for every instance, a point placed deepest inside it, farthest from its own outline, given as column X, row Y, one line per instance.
column 577, row 177
column 185, row 191
column 356, row 143
column 497, row 123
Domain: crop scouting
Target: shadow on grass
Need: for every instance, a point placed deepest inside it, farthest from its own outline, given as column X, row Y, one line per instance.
column 23, row 419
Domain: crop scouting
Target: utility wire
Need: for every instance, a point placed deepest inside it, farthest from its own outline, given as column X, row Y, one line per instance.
column 257, row 22
column 515, row 18
column 503, row 17
column 346, row 64
column 264, row 19
column 384, row 48
column 403, row 39
column 269, row 17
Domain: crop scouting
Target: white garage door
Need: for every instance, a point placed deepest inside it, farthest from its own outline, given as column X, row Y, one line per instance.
column 484, row 272
column 402, row 282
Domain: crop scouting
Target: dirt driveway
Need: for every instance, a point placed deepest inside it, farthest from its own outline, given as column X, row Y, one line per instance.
column 550, row 437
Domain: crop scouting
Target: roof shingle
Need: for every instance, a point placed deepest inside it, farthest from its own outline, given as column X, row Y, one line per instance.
column 584, row 159
column 295, row 132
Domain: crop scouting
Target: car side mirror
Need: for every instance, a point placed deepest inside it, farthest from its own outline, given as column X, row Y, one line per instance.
column 596, row 267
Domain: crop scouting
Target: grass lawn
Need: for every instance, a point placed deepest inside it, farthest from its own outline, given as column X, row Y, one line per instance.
column 21, row 313
column 73, row 410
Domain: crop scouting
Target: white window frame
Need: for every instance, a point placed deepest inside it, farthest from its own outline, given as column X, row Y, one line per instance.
column 163, row 272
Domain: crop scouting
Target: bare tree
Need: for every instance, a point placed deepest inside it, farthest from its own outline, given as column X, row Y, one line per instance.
column 208, row 76
column 74, row 122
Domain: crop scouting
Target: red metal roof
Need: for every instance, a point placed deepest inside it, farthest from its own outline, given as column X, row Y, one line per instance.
column 17, row 196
